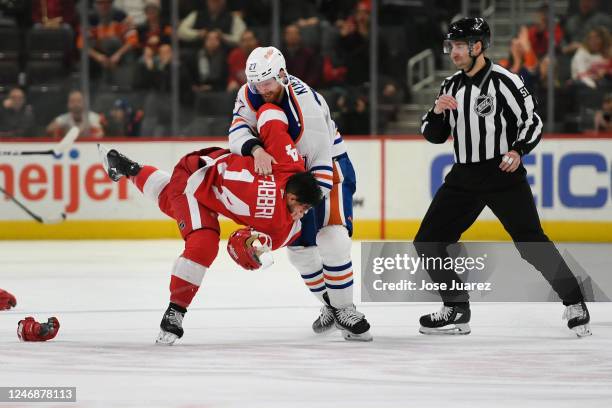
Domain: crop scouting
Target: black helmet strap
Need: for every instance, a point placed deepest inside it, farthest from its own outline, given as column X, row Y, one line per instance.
column 473, row 57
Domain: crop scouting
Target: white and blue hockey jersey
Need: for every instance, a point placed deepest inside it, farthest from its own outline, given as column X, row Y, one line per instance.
column 310, row 126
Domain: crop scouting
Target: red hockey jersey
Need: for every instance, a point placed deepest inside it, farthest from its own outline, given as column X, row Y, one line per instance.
column 228, row 184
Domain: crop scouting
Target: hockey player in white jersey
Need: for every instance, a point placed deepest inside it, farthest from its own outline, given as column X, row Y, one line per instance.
column 322, row 254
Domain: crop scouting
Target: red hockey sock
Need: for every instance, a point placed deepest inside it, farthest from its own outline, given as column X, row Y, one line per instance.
column 181, row 291
column 186, row 279
column 143, row 175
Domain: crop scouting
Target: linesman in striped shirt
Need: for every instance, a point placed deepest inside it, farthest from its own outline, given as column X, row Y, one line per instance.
column 493, row 121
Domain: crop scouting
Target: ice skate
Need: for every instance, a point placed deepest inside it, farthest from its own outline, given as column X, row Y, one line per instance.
column 352, row 323
column 171, row 326
column 325, row 321
column 116, row 164
column 448, row 320
column 578, row 318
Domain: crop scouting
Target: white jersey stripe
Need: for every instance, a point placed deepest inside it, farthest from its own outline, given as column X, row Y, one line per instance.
column 271, row 114
column 155, row 184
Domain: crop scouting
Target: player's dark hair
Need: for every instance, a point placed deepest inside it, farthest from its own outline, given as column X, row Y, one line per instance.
column 304, row 186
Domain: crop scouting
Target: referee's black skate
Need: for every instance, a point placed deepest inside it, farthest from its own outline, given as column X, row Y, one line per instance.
column 578, row 318
column 117, row 165
column 171, row 325
column 325, row 321
column 352, row 323
column 447, row 320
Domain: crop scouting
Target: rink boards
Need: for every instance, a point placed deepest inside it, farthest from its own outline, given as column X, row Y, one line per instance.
column 396, row 179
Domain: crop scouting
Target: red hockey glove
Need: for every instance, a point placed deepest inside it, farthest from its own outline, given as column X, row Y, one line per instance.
column 30, row 330
column 7, row 300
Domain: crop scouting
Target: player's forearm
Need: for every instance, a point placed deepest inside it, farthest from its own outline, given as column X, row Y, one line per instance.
column 242, row 143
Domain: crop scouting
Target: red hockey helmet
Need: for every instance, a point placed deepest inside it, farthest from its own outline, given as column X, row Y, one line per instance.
column 246, row 246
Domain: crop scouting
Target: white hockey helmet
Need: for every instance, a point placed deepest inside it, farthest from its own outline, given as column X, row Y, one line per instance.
column 265, row 63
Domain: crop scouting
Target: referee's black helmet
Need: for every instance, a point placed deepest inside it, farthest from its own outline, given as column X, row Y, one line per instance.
column 470, row 30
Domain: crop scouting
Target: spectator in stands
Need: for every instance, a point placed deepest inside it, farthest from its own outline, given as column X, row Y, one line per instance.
column 603, row 117
column 134, row 10
column 255, row 13
column 522, row 59
column 538, row 33
column 301, row 61
column 299, row 12
column 354, row 114
column 122, row 120
column 54, row 14
column 112, row 37
column 74, row 117
column 592, row 63
column 335, row 11
column 16, row 117
column 214, row 15
column 153, row 71
column 354, row 49
column 579, row 25
column 236, row 60
column 153, row 32
column 211, row 68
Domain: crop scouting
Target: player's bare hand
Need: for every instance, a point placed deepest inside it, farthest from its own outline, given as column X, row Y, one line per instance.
column 263, row 162
column 445, row 102
column 510, row 162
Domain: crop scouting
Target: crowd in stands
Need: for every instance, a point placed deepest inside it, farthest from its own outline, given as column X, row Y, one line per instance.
column 326, row 43
column 583, row 70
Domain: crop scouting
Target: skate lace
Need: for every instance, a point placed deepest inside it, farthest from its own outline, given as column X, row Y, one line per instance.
column 327, row 314
column 175, row 318
column 349, row 315
column 442, row 314
column 573, row 311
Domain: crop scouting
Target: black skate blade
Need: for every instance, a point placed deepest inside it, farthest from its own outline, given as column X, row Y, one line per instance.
column 449, row 330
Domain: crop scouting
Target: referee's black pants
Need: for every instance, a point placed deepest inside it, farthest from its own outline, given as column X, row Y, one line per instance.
column 466, row 190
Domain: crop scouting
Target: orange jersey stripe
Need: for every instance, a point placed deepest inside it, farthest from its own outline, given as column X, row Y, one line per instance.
column 237, row 121
column 334, row 206
column 323, row 176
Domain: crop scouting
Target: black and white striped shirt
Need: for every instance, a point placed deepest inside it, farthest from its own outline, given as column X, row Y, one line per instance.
column 495, row 114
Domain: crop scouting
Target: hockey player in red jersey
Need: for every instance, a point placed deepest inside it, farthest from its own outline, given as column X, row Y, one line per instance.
column 214, row 181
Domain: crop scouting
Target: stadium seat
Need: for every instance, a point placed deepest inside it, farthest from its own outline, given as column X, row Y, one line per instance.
column 10, row 43
column 39, row 72
column 45, row 43
column 9, row 73
column 48, row 101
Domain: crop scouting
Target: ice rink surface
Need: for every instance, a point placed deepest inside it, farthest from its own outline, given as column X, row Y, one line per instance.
column 248, row 341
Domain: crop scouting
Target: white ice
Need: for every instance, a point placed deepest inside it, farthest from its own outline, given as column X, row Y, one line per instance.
column 248, row 341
